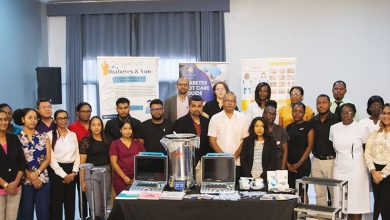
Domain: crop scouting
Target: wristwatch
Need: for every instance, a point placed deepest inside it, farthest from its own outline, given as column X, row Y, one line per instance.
column 5, row 185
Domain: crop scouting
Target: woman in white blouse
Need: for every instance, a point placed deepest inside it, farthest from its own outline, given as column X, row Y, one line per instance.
column 64, row 166
column 374, row 108
column 377, row 157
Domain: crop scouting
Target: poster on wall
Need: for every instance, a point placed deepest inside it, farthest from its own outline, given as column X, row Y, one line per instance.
column 203, row 76
column 279, row 73
column 135, row 78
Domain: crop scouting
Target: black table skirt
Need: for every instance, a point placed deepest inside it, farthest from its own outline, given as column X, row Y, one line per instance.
column 202, row 209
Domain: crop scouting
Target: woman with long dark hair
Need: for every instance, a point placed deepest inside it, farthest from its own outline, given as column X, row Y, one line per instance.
column 262, row 96
column 259, row 151
column 64, row 166
column 37, row 152
column 95, row 149
column 122, row 152
column 377, row 155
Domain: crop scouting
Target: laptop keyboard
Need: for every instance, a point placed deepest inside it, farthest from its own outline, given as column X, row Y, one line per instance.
column 217, row 188
column 153, row 185
column 147, row 186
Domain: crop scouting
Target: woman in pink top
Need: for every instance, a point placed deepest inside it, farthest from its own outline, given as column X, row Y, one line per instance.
column 122, row 152
column 12, row 166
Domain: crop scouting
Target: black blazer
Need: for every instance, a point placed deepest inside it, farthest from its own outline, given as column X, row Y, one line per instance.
column 12, row 162
column 185, row 124
column 269, row 157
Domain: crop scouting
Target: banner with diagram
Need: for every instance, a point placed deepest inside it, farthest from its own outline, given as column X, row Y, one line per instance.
column 279, row 73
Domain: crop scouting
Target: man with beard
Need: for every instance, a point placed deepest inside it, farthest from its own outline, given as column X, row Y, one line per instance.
column 154, row 129
column 195, row 123
column 177, row 106
column 112, row 127
column 324, row 154
column 277, row 132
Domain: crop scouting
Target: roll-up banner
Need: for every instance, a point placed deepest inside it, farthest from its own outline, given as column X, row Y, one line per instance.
column 279, row 73
column 135, row 78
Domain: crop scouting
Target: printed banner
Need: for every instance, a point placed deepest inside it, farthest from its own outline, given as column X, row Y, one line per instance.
column 279, row 73
column 135, row 78
column 203, row 76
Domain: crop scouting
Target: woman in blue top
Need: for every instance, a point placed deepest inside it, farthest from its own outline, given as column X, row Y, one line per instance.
column 37, row 152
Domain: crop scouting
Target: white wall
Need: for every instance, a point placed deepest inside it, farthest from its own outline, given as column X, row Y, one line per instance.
column 56, row 44
column 332, row 39
column 21, row 51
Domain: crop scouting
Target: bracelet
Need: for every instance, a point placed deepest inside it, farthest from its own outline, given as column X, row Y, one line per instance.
column 39, row 171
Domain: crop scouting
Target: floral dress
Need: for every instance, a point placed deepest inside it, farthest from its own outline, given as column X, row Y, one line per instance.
column 35, row 154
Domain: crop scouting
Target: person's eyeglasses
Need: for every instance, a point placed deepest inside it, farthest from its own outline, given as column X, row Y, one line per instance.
column 295, row 93
column 182, row 84
column 62, row 118
column 347, row 113
column 156, row 109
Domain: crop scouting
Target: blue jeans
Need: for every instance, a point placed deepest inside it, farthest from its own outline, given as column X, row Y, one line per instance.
column 35, row 198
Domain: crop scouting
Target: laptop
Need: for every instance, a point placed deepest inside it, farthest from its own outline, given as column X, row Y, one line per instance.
column 150, row 172
column 218, row 173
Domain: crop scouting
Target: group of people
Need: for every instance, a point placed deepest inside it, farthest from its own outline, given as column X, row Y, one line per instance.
column 41, row 153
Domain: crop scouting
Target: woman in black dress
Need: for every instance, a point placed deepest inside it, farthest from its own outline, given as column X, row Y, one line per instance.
column 299, row 146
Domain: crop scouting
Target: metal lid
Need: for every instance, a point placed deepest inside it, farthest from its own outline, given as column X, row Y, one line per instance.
column 180, row 136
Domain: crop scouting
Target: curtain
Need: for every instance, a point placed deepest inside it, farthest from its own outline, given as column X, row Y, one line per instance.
column 74, row 64
column 174, row 37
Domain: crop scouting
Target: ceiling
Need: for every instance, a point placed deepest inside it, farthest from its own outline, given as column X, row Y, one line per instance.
column 85, row 1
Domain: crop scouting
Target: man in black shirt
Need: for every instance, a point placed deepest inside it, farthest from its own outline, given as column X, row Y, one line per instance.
column 324, row 154
column 195, row 123
column 112, row 127
column 154, row 129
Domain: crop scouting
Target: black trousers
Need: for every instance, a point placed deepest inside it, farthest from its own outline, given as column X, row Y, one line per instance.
column 62, row 194
column 381, row 196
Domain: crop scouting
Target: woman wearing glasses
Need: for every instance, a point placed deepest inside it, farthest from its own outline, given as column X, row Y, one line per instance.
column 377, row 157
column 348, row 139
column 64, row 166
column 214, row 106
column 285, row 112
column 374, row 108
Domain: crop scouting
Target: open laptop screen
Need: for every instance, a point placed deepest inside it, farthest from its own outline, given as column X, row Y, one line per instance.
column 150, row 168
column 218, row 169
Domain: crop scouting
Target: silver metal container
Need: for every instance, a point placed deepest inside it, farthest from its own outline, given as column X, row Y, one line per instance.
column 181, row 156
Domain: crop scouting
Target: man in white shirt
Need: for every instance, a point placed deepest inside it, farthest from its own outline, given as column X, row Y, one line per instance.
column 177, row 106
column 227, row 129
